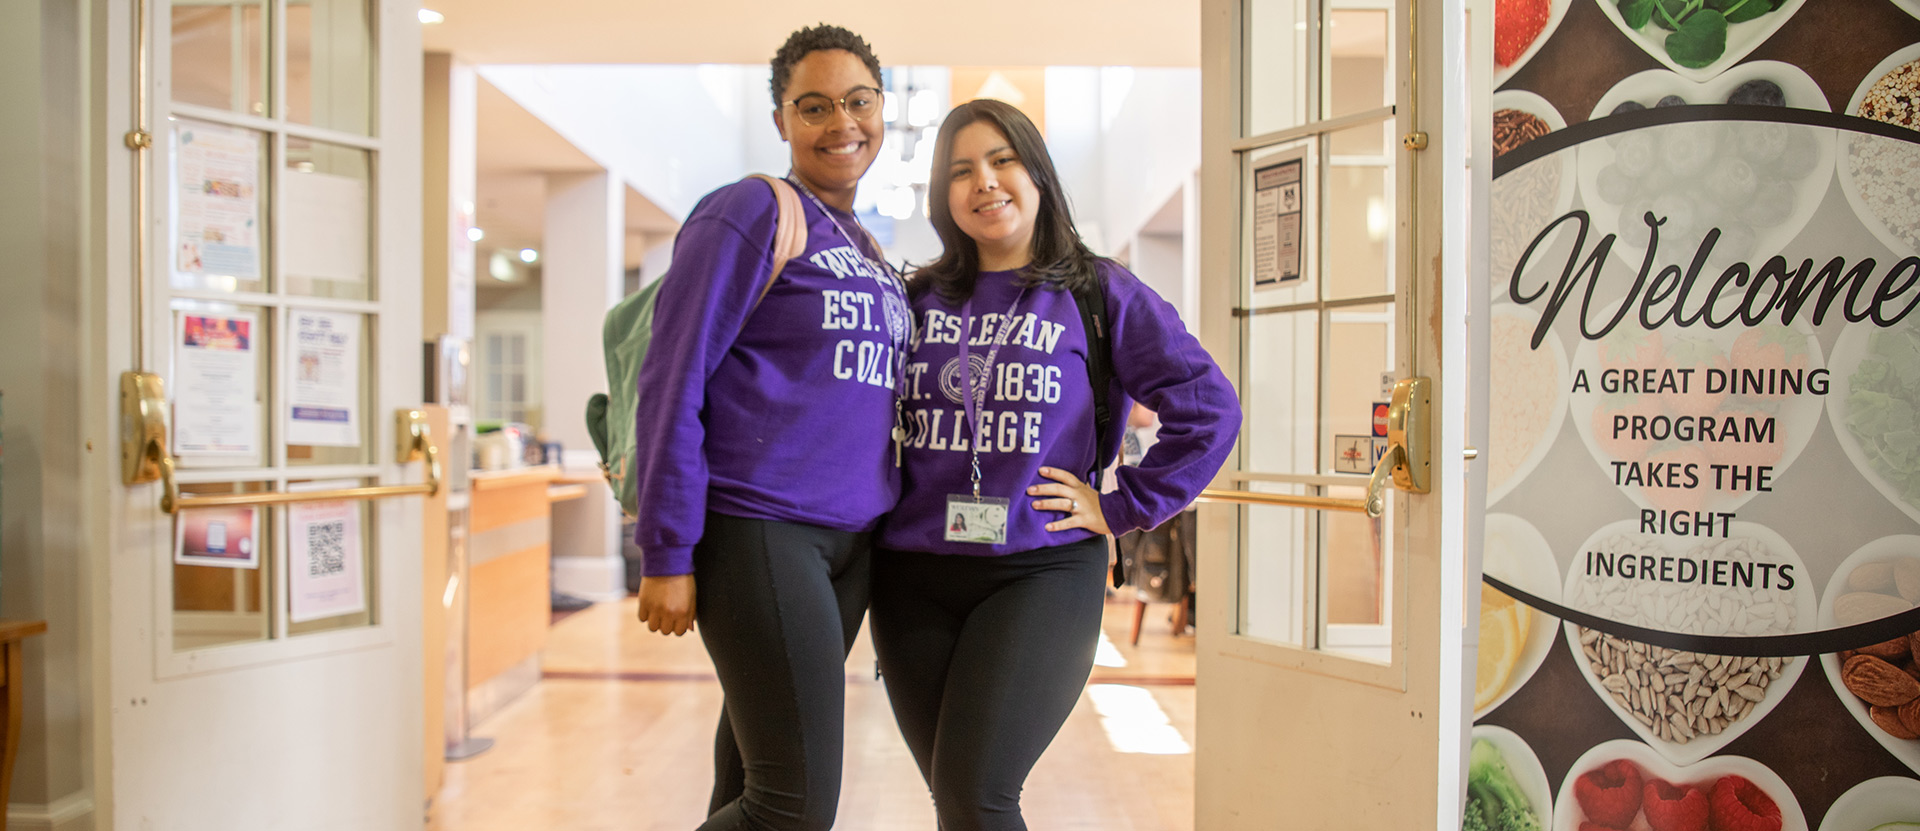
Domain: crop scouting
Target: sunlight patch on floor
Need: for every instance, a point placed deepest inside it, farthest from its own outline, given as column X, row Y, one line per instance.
column 1108, row 655
column 1134, row 721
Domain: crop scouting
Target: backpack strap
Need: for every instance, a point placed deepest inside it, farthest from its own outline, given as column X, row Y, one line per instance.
column 1092, row 300
column 789, row 229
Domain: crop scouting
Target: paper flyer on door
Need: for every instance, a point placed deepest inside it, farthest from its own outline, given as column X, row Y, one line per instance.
column 216, row 404
column 1702, row 548
column 220, row 537
column 323, row 366
column 324, row 557
column 217, row 200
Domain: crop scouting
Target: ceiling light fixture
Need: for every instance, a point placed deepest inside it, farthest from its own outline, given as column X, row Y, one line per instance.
column 475, row 234
column 528, row 255
column 429, row 17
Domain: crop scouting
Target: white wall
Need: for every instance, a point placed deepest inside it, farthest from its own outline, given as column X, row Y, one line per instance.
column 59, row 432
column 1150, row 146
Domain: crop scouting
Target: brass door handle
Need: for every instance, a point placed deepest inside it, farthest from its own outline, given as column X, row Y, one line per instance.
column 144, row 456
column 1407, row 461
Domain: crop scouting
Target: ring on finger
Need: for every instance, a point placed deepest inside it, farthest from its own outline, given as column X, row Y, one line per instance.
column 1073, row 505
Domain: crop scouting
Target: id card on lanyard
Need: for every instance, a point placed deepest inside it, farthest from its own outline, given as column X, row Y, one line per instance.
column 973, row 517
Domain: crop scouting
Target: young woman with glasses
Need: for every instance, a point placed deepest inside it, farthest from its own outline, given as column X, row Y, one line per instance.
column 765, row 443
column 986, row 631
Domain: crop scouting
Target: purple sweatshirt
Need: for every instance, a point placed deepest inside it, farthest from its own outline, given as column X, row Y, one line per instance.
column 1039, row 411
column 780, row 412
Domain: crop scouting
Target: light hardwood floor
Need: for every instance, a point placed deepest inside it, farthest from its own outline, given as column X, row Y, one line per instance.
column 619, row 738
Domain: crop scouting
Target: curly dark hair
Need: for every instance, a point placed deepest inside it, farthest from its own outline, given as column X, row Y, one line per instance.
column 1061, row 261
column 813, row 39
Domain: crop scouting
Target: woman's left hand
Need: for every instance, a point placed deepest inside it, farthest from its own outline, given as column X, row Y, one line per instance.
column 1072, row 497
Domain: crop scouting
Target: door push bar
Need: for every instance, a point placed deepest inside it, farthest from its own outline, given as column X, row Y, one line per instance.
column 144, row 457
column 1408, row 460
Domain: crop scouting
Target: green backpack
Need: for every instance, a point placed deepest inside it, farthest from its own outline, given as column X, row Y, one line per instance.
column 628, row 331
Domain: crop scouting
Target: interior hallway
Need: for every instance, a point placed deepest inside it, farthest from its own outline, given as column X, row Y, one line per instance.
column 618, row 738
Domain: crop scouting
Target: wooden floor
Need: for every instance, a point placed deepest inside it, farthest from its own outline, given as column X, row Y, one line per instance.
column 618, row 737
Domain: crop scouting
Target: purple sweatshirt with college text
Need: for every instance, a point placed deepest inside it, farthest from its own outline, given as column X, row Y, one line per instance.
column 781, row 411
column 1039, row 411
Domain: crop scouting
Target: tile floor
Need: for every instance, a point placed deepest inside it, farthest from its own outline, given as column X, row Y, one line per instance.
column 618, row 738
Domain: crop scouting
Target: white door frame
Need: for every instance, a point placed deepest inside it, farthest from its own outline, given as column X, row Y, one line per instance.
column 1280, row 728
column 318, row 730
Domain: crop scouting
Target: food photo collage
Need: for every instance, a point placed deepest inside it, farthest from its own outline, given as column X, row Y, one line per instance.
column 1701, row 604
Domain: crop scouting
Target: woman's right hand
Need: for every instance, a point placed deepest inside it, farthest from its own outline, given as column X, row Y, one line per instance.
column 666, row 604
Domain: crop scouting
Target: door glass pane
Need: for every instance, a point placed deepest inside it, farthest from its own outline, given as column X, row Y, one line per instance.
column 1358, row 46
column 1360, row 224
column 1280, row 392
column 326, row 220
column 330, row 561
column 1354, row 564
column 329, row 388
column 330, row 64
column 1359, row 348
column 221, row 571
column 219, row 55
column 216, row 200
column 1273, row 568
column 1276, row 50
column 219, row 366
column 1281, row 246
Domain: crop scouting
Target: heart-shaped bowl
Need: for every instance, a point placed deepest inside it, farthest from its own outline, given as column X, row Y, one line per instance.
column 1882, row 550
column 1742, row 38
column 1567, row 813
column 1556, row 12
column 1757, row 182
column 1529, row 399
column 1849, row 351
column 1879, row 174
column 1517, row 554
column 1530, row 196
column 1523, row 764
column 1874, row 803
column 1597, row 410
column 1691, row 609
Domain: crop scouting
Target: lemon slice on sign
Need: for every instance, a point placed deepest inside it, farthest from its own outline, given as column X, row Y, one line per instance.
column 1499, row 651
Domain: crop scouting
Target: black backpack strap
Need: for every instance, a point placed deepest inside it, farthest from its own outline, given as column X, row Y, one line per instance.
column 1092, row 300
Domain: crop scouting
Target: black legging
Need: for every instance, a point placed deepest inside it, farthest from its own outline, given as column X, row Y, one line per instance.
column 778, row 605
column 984, row 658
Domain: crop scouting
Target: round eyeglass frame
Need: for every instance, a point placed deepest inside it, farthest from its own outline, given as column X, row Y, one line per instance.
column 840, row 102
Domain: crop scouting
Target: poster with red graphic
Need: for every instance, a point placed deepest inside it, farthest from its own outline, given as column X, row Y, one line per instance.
column 1702, row 610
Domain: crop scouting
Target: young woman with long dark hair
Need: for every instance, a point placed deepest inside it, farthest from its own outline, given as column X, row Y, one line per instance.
column 986, row 630
column 765, row 456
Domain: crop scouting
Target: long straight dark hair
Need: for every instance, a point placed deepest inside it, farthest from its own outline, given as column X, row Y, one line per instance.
column 1059, row 259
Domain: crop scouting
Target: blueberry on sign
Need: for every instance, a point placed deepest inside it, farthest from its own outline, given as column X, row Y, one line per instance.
column 1760, row 92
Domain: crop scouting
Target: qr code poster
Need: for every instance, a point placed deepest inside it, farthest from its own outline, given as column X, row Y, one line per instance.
column 324, row 559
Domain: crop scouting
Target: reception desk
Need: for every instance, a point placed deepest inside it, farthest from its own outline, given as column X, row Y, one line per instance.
column 509, row 597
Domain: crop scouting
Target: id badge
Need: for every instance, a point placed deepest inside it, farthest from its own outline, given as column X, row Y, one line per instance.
column 976, row 519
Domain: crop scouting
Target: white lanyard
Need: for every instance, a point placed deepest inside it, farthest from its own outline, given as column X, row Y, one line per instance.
column 902, row 340
column 975, row 399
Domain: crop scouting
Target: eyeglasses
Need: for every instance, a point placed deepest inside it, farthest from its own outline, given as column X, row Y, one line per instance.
column 815, row 109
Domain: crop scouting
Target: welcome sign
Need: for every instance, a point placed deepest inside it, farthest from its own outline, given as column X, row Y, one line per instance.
column 1702, row 610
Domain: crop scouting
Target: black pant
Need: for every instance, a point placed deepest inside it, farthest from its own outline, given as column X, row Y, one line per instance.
column 984, row 658
column 778, row 605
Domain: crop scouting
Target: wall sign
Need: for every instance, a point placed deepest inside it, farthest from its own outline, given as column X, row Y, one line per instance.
column 1700, row 610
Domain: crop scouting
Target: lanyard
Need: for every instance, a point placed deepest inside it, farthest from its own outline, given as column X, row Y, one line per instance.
column 975, row 399
column 902, row 340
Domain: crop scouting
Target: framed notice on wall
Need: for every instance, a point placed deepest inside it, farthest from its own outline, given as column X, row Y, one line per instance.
column 1702, row 557
column 1279, row 195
